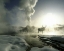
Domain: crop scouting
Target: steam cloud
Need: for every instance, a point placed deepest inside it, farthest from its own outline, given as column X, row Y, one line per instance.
column 3, row 11
column 28, row 7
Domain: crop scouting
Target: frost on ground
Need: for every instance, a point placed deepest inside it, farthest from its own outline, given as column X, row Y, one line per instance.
column 12, row 43
column 46, row 48
column 18, row 43
column 33, row 41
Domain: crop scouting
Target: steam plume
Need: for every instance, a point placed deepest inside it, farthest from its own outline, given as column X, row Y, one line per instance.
column 28, row 6
column 3, row 11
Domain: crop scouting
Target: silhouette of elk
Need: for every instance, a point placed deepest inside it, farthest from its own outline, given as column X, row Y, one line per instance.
column 41, row 29
column 24, row 29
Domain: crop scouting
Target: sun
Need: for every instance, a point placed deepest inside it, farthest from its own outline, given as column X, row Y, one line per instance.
column 50, row 20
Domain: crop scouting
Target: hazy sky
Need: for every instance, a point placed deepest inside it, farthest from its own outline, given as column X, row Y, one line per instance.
column 53, row 6
column 42, row 8
column 50, row 6
column 42, row 5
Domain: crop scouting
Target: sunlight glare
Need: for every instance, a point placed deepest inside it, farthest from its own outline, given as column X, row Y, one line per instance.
column 51, row 33
column 50, row 19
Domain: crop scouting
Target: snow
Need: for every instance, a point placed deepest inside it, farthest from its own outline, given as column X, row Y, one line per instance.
column 12, row 43
column 46, row 48
column 17, row 43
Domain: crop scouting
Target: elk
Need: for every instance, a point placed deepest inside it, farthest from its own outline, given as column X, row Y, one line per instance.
column 41, row 29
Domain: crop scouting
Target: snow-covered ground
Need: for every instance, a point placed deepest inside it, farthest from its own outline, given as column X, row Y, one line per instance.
column 46, row 48
column 12, row 43
column 18, row 43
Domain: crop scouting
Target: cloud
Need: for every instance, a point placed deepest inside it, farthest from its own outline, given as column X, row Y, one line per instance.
column 28, row 6
column 16, row 17
column 3, row 23
column 21, row 15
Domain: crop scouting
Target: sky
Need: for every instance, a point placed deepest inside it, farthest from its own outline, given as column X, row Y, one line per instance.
column 50, row 6
column 42, row 8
